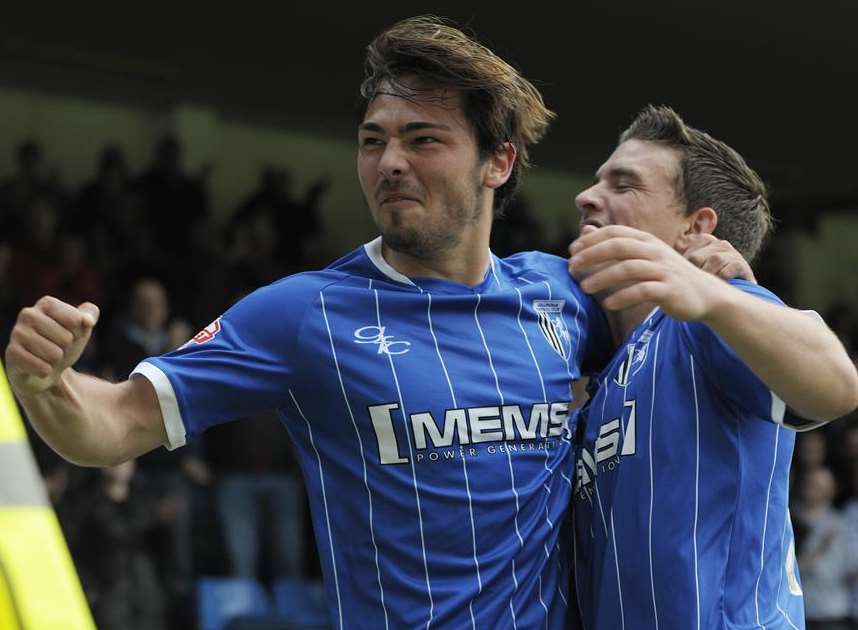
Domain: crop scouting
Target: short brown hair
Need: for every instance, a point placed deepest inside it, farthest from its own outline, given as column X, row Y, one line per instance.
column 500, row 103
column 711, row 175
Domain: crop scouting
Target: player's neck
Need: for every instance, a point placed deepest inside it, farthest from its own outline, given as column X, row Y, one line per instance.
column 623, row 322
column 466, row 263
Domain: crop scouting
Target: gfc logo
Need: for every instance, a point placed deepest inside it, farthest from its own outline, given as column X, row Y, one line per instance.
column 384, row 342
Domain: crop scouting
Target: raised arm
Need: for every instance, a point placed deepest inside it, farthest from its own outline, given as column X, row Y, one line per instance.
column 88, row 421
column 793, row 352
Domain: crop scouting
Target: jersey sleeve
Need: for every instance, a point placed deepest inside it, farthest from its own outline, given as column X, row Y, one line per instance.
column 241, row 364
column 736, row 380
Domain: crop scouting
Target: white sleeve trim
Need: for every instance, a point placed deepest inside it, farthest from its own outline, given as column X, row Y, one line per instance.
column 791, row 421
column 778, row 409
column 176, row 435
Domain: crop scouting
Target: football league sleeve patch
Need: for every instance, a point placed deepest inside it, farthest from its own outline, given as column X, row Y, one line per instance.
column 237, row 366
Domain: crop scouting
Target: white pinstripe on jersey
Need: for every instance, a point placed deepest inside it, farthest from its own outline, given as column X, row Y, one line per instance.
column 413, row 471
column 617, row 565
column 696, row 486
column 765, row 527
column 327, row 513
column 784, row 613
column 360, row 449
column 464, row 462
column 544, row 399
column 508, row 455
column 651, row 482
column 613, row 529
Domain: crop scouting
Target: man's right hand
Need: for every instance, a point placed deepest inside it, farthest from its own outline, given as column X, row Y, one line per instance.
column 47, row 338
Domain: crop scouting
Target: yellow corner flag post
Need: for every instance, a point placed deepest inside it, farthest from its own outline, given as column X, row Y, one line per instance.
column 39, row 588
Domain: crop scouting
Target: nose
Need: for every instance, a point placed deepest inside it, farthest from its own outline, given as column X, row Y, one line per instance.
column 586, row 200
column 394, row 161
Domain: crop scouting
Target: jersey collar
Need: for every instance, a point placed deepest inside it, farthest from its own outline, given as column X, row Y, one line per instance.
column 373, row 252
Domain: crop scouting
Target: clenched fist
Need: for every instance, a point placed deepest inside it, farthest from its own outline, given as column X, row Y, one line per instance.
column 47, row 338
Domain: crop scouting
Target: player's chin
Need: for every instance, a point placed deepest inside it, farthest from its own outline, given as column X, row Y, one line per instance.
column 402, row 237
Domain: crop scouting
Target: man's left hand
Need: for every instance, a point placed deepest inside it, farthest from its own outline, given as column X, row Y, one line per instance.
column 718, row 257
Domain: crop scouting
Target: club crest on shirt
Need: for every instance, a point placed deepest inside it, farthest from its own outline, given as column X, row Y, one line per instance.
column 553, row 326
column 635, row 356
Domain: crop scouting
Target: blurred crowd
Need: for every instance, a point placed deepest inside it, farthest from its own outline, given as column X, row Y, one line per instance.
column 146, row 248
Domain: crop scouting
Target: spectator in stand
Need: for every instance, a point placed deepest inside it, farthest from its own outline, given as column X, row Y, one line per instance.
column 145, row 327
column 8, row 299
column 841, row 318
column 843, row 454
column 847, row 444
column 31, row 181
column 172, row 200
column 850, row 514
column 142, row 328
column 117, row 571
column 811, row 452
column 44, row 262
column 260, row 497
column 99, row 196
column 295, row 222
column 35, row 256
column 827, row 556
column 174, row 205
column 108, row 214
column 252, row 257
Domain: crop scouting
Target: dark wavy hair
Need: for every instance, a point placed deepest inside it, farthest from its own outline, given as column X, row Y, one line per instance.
column 500, row 103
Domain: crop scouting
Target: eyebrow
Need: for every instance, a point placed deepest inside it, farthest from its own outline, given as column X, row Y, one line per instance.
column 619, row 173
column 406, row 128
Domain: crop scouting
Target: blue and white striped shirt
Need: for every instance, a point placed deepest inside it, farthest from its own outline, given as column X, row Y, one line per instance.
column 430, row 420
column 681, row 495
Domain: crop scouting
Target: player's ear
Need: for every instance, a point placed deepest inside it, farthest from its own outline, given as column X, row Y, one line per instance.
column 702, row 221
column 499, row 165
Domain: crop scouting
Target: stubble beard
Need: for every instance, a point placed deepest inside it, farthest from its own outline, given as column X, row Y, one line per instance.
column 431, row 242
column 423, row 244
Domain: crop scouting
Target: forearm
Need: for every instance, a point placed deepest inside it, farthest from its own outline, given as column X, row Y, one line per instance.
column 794, row 353
column 92, row 422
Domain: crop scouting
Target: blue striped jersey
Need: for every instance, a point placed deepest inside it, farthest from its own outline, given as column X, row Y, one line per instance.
column 431, row 422
column 680, row 503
